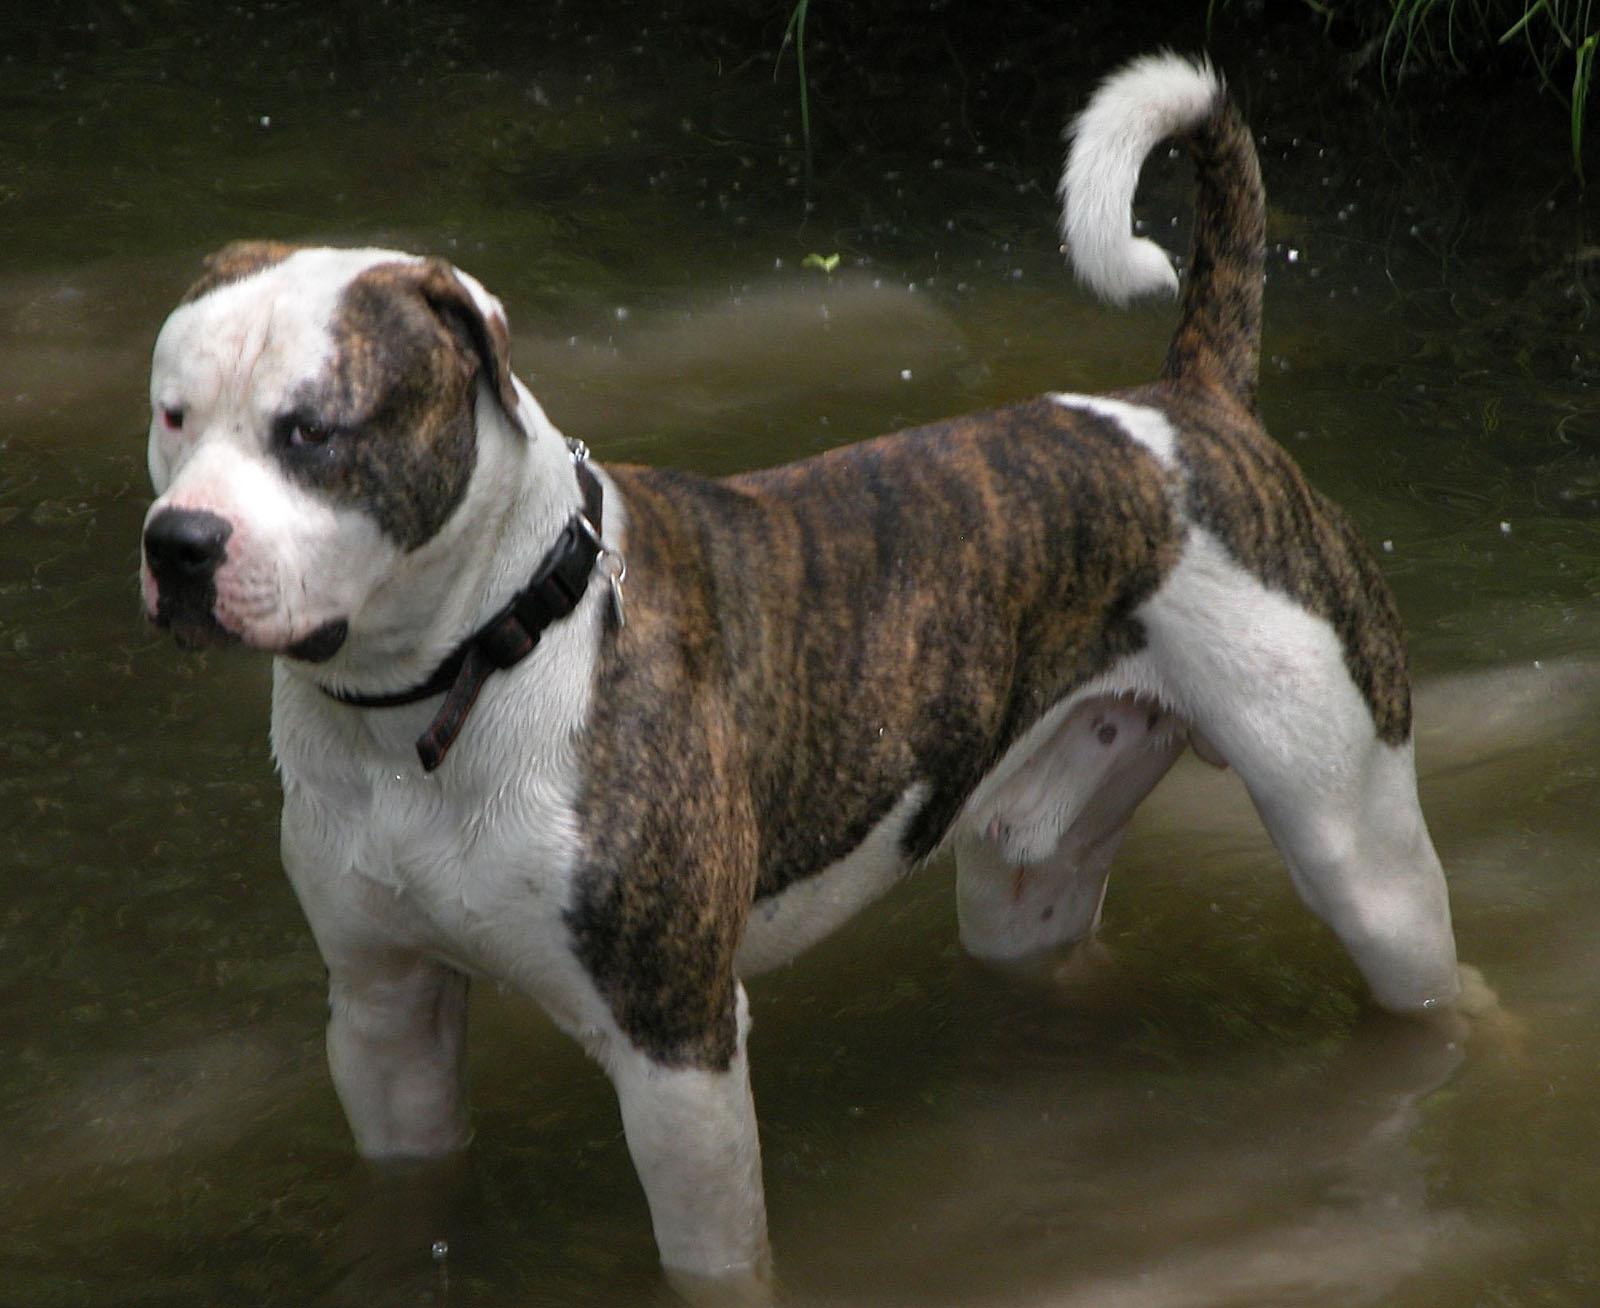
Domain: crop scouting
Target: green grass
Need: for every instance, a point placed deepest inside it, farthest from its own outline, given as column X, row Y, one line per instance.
column 1559, row 38
column 795, row 34
column 1557, row 35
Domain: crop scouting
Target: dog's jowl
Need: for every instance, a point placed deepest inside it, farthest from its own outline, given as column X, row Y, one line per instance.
column 619, row 737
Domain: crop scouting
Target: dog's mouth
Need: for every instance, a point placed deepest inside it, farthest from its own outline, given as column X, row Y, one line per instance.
column 188, row 613
column 193, row 630
column 322, row 644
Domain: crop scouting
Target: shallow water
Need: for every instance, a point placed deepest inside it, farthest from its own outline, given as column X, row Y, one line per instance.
column 1215, row 1116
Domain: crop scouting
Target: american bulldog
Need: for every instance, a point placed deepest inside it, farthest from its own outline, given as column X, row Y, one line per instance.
column 619, row 737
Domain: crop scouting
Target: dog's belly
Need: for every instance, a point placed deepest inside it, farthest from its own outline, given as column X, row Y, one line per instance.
column 806, row 910
column 1062, row 792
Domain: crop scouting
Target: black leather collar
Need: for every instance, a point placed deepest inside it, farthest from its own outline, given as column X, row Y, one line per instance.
column 510, row 636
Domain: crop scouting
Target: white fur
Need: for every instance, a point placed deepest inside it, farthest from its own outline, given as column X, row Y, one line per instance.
column 232, row 361
column 693, row 1139
column 413, row 881
column 1061, row 786
column 1149, row 427
column 470, row 863
column 787, row 923
column 468, row 866
column 1134, row 109
column 1264, row 682
column 396, row 1044
column 1033, row 857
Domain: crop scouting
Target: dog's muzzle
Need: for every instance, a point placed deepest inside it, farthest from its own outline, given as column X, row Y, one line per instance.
column 183, row 549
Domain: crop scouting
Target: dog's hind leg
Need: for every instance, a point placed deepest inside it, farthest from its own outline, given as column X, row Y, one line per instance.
column 1359, row 855
column 1032, row 863
column 1011, row 910
column 1270, row 687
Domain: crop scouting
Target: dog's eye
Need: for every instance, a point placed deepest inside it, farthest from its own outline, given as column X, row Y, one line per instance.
column 172, row 417
column 305, row 435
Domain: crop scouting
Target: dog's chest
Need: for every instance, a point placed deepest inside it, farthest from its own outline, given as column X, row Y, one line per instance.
column 475, row 881
column 471, row 864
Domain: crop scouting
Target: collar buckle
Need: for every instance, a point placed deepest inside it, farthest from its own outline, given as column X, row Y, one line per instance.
column 610, row 562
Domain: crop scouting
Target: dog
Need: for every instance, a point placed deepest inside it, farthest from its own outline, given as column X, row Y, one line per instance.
column 620, row 737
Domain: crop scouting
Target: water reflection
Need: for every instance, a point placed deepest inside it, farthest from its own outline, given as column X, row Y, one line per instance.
column 1296, row 1189
column 1303, row 1170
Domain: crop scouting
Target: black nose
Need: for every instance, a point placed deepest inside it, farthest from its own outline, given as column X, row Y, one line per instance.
column 184, row 546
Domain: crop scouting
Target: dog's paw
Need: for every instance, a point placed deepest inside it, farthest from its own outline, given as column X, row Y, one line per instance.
column 1083, row 973
column 743, row 1287
column 1490, row 1024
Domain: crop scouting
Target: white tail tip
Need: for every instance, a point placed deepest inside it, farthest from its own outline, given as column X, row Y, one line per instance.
column 1148, row 100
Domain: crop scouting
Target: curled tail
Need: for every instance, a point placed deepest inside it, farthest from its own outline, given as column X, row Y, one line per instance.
column 1218, row 339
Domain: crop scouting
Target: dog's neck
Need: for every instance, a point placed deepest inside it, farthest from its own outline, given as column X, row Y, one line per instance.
column 523, row 491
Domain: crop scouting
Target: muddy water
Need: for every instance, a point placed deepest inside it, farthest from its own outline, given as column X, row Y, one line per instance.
column 1212, row 1115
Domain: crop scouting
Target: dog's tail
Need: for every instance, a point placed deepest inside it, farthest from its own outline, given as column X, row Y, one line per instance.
column 1218, row 339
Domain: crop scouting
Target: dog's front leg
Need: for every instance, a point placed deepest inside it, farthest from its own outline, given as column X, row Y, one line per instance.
column 692, row 1134
column 396, row 1048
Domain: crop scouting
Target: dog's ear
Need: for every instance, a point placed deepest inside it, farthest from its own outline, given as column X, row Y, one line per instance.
column 234, row 262
column 476, row 320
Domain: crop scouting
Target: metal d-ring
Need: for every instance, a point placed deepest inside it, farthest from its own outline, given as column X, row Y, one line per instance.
column 615, row 566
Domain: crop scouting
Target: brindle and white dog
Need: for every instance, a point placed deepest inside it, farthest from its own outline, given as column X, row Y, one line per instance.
column 995, row 633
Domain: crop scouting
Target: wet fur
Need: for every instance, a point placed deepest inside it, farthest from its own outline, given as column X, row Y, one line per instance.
column 805, row 644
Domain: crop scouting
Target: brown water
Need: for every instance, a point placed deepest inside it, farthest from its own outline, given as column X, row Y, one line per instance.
column 1214, row 1118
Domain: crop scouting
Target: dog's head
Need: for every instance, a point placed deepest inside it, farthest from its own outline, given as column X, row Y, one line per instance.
column 315, row 420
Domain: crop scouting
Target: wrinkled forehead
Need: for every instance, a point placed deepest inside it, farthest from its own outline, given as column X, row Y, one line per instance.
column 262, row 334
column 270, row 331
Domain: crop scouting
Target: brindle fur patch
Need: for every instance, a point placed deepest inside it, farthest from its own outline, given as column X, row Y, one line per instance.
column 1218, row 337
column 486, row 338
column 1242, row 486
column 234, row 262
column 804, row 644
column 398, row 402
